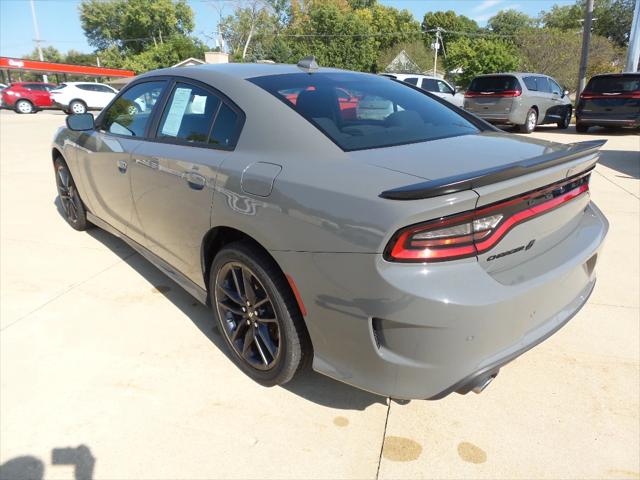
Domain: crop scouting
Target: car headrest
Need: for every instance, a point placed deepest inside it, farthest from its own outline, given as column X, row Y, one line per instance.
column 316, row 104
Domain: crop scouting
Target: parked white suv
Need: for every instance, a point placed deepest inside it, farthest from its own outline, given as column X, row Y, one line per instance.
column 434, row 85
column 78, row 97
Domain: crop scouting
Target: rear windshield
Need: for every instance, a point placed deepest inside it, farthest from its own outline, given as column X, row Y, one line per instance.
column 498, row 83
column 614, row 84
column 359, row 111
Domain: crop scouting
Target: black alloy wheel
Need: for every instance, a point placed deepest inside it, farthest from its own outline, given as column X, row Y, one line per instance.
column 72, row 206
column 248, row 316
column 258, row 315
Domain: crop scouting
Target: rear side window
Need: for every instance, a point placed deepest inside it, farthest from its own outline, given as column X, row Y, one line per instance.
column 531, row 83
column 189, row 114
column 378, row 113
column 225, row 128
column 61, row 86
column 429, row 85
column 129, row 115
column 498, row 83
column 102, row 88
column 614, row 84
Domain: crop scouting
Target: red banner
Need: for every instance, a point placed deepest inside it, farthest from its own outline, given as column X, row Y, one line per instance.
column 50, row 67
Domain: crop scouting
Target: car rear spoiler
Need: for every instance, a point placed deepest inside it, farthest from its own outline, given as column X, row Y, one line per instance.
column 488, row 176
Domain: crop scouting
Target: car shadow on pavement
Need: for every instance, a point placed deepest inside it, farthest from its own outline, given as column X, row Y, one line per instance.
column 309, row 384
column 32, row 468
column 624, row 161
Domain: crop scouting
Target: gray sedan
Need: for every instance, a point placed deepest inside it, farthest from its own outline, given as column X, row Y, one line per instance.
column 340, row 220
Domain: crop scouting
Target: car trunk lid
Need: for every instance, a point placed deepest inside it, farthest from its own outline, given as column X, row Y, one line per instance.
column 612, row 96
column 531, row 195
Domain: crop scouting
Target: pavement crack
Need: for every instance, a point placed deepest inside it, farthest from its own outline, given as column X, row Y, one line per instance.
column 619, row 186
column 384, row 435
column 67, row 290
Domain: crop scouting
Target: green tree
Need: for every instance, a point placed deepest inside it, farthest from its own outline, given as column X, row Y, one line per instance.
column 335, row 34
column 534, row 46
column 252, row 21
column 171, row 51
column 508, row 22
column 134, row 25
column 49, row 54
column 477, row 56
column 452, row 23
column 612, row 18
column 78, row 58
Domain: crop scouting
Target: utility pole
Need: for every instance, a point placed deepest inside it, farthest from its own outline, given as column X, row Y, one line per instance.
column 586, row 39
column 436, row 47
column 37, row 39
column 633, row 53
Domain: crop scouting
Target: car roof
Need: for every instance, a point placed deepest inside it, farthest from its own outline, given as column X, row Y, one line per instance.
column 31, row 83
column 84, row 83
column 419, row 75
column 237, row 70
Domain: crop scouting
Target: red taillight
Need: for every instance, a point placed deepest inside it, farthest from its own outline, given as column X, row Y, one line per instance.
column 592, row 95
column 504, row 93
column 471, row 233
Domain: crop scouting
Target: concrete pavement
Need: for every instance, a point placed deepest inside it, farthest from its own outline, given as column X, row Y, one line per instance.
column 99, row 350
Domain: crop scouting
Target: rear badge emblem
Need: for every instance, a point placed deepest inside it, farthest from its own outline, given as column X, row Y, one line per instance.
column 515, row 250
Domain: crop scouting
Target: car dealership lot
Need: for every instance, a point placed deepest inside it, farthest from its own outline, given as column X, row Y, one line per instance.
column 98, row 348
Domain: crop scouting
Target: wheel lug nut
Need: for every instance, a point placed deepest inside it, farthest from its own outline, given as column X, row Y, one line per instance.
column 244, row 309
column 248, row 322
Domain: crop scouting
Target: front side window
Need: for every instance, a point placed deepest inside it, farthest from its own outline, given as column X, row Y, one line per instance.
column 412, row 80
column 444, row 88
column 86, row 86
column 379, row 113
column 130, row 113
column 555, row 88
column 543, row 85
column 189, row 114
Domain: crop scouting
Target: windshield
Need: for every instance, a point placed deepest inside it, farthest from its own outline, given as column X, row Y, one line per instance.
column 359, row 111
column 614, row 84
column 498, row 83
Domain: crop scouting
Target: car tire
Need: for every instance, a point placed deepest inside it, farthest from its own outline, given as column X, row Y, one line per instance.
column 566, row 119
column 530, row 122
column 77, row 107
column 73, row 210
column 263, row 329
column 581, row 127
column 24, row 106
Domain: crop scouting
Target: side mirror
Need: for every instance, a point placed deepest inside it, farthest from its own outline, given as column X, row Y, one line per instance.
column 565, row 93
column 80, row 122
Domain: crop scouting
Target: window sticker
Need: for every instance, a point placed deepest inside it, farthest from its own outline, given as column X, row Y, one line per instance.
column 177, row 110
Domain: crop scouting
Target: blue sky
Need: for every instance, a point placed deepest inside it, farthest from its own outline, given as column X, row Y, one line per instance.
column 60, row 26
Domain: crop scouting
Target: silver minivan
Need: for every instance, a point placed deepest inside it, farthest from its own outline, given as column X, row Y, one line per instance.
column 521, row 99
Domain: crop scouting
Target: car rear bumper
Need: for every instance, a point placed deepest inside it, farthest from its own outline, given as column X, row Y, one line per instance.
column 609, row 121
column 426, row 330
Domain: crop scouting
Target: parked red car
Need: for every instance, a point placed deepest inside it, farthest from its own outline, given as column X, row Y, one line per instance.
column 27, row 97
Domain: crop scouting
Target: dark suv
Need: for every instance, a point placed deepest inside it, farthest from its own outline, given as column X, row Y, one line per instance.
column 611, row 100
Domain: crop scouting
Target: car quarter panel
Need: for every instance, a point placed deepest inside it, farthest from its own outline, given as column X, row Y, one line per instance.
column 435, row 324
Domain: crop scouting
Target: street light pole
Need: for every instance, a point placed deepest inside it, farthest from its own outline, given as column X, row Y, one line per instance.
column 37, row 39
column 633, row 53
column 586, row 39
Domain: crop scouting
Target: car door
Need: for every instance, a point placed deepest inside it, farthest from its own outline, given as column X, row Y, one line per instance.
column 103, row 95
column 173, row 175
column 38, row 94
column 104, row 156
column 546, row 103
column 88, row 94
column 559, row 104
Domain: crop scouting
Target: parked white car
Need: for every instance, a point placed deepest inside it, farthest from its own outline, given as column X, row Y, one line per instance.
column 78, row 97
column 434, row 85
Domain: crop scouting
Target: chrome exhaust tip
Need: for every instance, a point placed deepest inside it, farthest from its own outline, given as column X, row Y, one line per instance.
column 483, row 383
